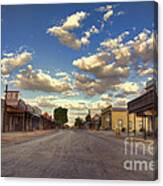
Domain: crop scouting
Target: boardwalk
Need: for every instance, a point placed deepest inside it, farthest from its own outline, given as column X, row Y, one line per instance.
column 70, row 154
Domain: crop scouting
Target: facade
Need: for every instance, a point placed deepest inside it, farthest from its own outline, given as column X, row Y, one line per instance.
column 117, row 118
column 146, row 107
column 16, row 115
column 113, row 118
column 96, row 121
column 2, row 112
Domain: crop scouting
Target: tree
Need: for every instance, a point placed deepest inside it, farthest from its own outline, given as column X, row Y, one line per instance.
column 60, row 116
column 78, row 122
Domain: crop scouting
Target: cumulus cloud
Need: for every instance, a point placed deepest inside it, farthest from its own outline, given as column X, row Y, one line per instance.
column 108, row 11
column 113, row 72
column 105, row 97
column 128, row 87
column 104, row 8
column 114, row 42
column 108, row 14
column 92, row 62
column 70, row 93
column 146, row 71
column 8, row 54
column 121, row 102
column 11, row 62
column 68, row 38
column 97, row 65
column 91, row 87
column 85, row 40
column 74, row 20
column 65, row 37
column 120, row 13
column 42, row 101
column 37, row 80
column 53, row 102
column 82, row 77
column 144, row 45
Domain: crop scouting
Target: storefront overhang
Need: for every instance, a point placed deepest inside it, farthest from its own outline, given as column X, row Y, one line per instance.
column 145, row 103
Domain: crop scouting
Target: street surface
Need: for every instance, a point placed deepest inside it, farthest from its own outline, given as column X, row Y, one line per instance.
column 70, row 154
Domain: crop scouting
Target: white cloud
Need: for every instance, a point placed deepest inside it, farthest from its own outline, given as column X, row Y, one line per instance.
column 144, row 45
column 8, row 54
column 105, row 97
column 106, row 75
column 108, row 14
column 42, row 101
column 86, row 38
column 10, row 63
column 114, row 42
column 30, row 79
column 70, row 93
column 108, row 11
column 65, row 37
column 120, row 13
column 68, row 38
column 92, row 62
column 128, row 87
column 113, row 72
column 146, row 71
column 104, row 8
column 74, row 20
column 61, row 74
column 121, row 102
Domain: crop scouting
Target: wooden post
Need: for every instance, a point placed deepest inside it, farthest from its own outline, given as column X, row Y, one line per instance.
column 23, row 124
column 128, row 132
column 145, row 136
column 5, row 110
column 134, row 125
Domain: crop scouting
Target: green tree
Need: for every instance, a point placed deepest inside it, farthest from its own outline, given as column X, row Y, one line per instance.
column 60, row 116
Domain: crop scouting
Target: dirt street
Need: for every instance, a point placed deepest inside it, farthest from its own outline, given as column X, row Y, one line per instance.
column 71, row 154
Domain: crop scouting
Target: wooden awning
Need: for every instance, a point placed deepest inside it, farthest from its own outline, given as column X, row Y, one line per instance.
column 144, row 103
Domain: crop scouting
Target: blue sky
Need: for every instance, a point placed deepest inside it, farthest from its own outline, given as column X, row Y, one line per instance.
column 24, row 28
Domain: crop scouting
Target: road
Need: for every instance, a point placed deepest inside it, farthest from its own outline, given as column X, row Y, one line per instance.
column 73, row 154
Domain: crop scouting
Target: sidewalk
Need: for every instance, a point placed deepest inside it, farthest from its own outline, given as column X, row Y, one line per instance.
column 109, row 133
column 10, row 138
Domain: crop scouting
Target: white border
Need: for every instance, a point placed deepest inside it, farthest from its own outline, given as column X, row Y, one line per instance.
column 61, row 182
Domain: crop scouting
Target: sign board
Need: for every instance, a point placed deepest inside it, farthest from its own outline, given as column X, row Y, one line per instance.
column 12, row 98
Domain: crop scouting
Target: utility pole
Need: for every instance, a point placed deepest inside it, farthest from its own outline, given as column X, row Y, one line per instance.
column 5, row 108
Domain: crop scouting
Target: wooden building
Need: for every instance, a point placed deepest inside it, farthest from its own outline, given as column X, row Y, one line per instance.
column 146, row 107
column 16, row 115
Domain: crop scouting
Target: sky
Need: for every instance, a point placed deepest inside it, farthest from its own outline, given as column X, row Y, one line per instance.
column 79, row 56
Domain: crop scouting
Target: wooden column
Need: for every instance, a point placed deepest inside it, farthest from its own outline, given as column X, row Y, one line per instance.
column 145, row 134
column 134, row 125
column 128, row 130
